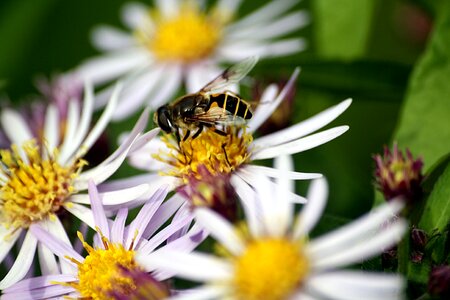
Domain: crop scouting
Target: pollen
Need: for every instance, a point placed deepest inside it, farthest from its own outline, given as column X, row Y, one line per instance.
column 33, row 184
column 270, row 269
column 188, row 36
column 220, row 154
column 101, row 272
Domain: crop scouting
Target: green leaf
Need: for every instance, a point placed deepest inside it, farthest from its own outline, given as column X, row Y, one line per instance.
column 342, row 28
column 436, row 213
column 435, row 172
column 424, row 121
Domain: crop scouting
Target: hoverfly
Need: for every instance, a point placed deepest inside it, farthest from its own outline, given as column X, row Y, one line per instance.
column 210, row 107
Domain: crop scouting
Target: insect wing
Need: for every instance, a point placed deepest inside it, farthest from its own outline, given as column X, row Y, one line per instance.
column 230, row 76
column 218, row 116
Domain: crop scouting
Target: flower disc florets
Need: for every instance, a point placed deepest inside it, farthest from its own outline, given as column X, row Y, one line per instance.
column 34, row 185
column 187, row 36
column 220, row 154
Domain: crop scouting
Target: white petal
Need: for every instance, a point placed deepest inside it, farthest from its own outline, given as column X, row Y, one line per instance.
column 15, row 127
column 220, row 229
column 98, row 211
column 169, row 82
column 285, row 47
column 348, row 285
column 303, row 128
column 285, row 164
column 166, row 210
column 274, row 173
column 144, row 139
column 107, row 67
column 56, row 228
column 107, row 38
column 364, row 249
column 73, row 115
column 142, row 159
column 265, row 14
column 310, row 215
column 276, row 212
column 114, row 197
column 101, row 123
column 358, row 229
column 271, row 30
column 228, row 7
column 81, row 212
column 301, row 144
column 168, row 8
column 252, row 180
column 203, row 293
column 100, row 173
column 7, row 240
column 269, row 103
column 164, row 235
column 251, row 207
column 47, row 259
column 192, row 266
column 51, row 127
column 118, row 226
column 22, row 263
column 134, row 14
column 200, row 74
column 126, row 144
column 138, row 90
column 83, row 126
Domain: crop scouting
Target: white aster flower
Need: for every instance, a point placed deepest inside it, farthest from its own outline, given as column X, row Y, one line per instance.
column 105, row 269
column 177, row 41
column 236, row 152
column 39, row 181
column 276, row 260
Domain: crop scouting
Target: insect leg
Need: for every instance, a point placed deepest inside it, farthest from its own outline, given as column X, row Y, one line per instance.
column 200, row 129
column 220, row 132
column 188, row 133
column 226, row 155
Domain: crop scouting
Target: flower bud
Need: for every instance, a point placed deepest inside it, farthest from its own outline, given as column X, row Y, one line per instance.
column 439, row 281
column 399, row 176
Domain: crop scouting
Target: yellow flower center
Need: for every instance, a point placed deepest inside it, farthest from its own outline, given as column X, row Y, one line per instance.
column 100, row 274
column 270, row 269
column 33, row 188
column 188, row 36
column 218, row 153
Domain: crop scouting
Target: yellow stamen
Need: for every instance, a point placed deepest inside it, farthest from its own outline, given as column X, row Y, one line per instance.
column 270, row 269
column 99, row 274
column 34, row 188
column 191, row 35
column 220, row 154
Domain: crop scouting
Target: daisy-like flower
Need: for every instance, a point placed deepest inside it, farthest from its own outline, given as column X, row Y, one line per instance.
column 41, row 179
column 275, row 259
column 235, row 152
column 177, row 41
column 106, row 269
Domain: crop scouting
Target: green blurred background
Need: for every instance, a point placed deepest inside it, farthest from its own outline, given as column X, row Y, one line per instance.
column 360, row 49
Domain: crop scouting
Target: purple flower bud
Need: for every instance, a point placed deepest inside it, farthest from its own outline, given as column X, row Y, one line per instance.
column 397, row 175
column 439, row 281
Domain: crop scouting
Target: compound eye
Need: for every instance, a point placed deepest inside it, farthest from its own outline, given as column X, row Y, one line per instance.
column 164, row 119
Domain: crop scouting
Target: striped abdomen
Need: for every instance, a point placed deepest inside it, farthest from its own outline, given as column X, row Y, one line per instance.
column 232, row 104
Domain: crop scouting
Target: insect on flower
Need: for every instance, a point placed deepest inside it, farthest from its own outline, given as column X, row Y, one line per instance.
column 210, row 107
